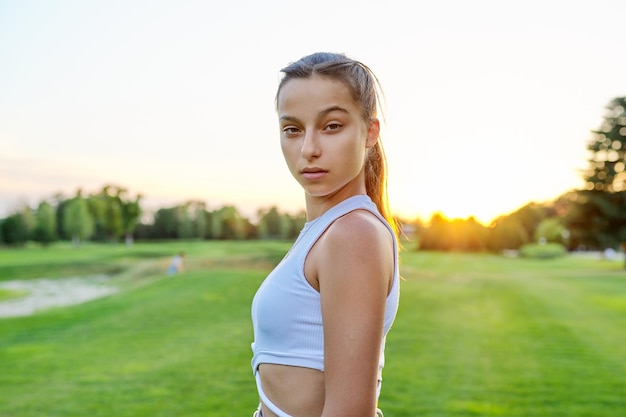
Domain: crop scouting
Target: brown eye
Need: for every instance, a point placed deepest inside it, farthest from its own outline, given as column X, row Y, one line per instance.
column 290, row 130
column 333, row 126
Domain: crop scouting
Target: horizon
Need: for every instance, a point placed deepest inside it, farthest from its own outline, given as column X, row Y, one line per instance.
column 150, row 205
column 488, row 106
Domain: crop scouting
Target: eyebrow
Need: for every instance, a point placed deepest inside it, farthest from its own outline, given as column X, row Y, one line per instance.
column 322, row 113
column 332, row 109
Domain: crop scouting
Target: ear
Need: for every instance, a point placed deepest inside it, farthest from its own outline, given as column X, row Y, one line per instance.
column 373, row 131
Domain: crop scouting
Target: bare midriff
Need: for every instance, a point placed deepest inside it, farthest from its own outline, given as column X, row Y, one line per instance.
column 295, row 390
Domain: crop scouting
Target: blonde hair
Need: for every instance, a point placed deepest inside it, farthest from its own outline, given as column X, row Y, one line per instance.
column 365, row 90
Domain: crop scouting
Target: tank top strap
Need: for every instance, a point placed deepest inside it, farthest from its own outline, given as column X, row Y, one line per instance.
column 315, row 228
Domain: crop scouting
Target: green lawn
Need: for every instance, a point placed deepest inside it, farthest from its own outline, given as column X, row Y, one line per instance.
column 476, row 335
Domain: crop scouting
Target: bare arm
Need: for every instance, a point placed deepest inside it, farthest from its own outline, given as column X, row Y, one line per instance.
column 354, row 269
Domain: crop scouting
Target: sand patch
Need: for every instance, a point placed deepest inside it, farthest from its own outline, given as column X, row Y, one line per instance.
column 45, row 293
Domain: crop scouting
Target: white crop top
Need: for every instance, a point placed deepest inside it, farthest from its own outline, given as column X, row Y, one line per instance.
column 286, row 310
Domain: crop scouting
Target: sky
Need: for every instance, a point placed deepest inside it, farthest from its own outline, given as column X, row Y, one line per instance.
column 488, row 105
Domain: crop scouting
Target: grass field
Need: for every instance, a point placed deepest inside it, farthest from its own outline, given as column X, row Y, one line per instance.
column 476, row 335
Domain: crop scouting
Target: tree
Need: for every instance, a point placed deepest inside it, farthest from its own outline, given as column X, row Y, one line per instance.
column 131, row 211
column 227, row 223
column 97, row 205
column 507, row 233
column 15, row 229
column 18, row 228
column 275, row 225
column 297, row 223
column 460, row 235
column 290, row 226
column 115, row 213
column 550, row 230
column 269, row 223
column 184, row 222
column 45, row 229
column 469, row 235
column 165, row 223
column 113, row 221
column 598, row 219
column 77, row 220
column 598, row 215
column 437, row 235
column 518, row 228
column 607, row 164
column 530, row 216
column 59, row 202
column 198, row 215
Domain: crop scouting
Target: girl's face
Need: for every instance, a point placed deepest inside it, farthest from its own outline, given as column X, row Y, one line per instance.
column 323, row 137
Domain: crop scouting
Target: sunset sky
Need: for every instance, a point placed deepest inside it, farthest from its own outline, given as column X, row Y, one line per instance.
column 489, row 104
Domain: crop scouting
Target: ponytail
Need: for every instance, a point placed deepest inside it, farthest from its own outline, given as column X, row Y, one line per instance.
column 376, row 183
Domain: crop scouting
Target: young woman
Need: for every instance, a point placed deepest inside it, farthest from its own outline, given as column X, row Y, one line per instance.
column 321, row 317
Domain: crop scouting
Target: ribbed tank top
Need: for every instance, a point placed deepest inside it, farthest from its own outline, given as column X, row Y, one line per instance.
column 286, row 310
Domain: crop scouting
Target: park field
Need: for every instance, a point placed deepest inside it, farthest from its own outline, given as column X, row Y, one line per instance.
column 476, row 335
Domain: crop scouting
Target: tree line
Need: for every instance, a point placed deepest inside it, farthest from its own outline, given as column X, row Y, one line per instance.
column 113, row 215
column 590, row 218
column 545, row 222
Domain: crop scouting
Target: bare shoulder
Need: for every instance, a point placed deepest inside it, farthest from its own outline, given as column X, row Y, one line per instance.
column 358, row 234
column 357, row 226
column 357, row 246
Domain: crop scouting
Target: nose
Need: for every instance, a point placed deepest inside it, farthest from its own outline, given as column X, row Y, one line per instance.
column 310, row 146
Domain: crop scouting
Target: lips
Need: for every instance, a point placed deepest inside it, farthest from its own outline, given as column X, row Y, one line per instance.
column 313, row 173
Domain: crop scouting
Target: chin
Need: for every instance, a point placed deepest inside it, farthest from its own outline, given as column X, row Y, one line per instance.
column 317, row 192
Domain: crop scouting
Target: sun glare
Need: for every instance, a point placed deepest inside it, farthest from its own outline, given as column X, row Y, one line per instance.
column 482, row 204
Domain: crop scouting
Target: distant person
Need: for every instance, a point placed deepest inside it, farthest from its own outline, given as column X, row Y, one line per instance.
column 320, row 319
column 176, row 264
column 609, row 253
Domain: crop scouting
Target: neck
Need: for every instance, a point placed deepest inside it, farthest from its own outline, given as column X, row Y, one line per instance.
column 317, row 206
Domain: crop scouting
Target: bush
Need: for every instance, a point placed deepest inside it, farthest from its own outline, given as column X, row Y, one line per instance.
column 542, row 251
